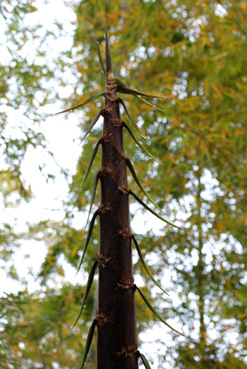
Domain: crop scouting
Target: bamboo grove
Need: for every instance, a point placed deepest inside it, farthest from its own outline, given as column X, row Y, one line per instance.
column 115, row 318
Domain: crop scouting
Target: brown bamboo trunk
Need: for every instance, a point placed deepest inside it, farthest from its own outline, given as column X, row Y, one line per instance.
column 116, row 321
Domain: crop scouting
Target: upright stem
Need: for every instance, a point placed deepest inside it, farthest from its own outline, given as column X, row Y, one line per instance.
column 116, row 321
column 200, row 265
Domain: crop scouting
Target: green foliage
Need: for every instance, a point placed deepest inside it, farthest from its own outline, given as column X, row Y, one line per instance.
column 193, row 54
column 38, row 329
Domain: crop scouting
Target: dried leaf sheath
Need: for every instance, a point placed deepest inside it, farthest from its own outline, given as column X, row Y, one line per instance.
column 117, row 332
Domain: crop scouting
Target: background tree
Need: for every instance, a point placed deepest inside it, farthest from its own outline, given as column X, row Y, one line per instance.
column 27, row 335
column 193, row 53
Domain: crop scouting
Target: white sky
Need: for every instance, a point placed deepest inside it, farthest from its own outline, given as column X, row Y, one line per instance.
column 59, row 134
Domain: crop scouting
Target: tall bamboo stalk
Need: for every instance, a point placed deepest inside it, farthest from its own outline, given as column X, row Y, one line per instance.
column 115, row 318
column 116, row 321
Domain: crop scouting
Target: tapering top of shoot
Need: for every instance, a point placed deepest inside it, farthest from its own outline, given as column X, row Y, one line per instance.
column 108, row 73
column 108, row 56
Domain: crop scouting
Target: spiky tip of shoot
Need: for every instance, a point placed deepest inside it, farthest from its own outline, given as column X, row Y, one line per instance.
column 108, row 54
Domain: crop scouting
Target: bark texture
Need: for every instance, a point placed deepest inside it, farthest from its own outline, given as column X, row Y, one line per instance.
column 116, row 321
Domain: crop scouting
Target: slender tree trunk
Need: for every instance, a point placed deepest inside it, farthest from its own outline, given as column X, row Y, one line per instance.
column 116, row 321
column 200, row 266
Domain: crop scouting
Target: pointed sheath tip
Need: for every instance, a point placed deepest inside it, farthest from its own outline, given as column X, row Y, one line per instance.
column 100, row 57
column 108, row 54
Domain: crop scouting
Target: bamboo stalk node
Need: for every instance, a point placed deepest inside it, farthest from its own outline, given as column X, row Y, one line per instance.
column 118, row 122
column 112, row 98
column 127, row 285
column 111, row 93
column 111, row 79
column 101, row 319
column 129, row 351
column 111, row 90
column 102, row 260
column 111, row 85
column 104, row 172
column 126, row 232
column 103, row 111
column 106, row 137
column 104, row 208
column 107, row 109
column 124, row 190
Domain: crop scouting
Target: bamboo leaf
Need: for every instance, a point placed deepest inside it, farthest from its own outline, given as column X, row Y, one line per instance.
column 145, row 362
column 145, row 265
column 148, row 103
column 152, row 211
column 91, row 161
column 155, row 312
column 100, row 57
column 88, row 343
column 92, row 98
column 108, row 54
column 131, row 168
column 129, row 116
column 90, row 230
column 140, row 144
column 94, row 121
column 94, row 187
column 123, row 88
column 88, row 287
